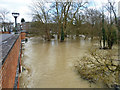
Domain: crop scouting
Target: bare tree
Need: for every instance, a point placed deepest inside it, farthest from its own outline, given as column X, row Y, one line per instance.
column 41, row 13
column 3, row 14
column 65, row 12
column 112, row 20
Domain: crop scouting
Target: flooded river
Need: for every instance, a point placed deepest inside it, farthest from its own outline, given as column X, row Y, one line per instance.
column 51, row 64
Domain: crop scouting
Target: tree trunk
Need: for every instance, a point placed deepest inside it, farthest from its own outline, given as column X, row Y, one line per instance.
column 119, row 46
column 62, row 35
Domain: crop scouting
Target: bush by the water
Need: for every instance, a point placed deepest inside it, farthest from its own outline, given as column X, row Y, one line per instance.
column 100, row 66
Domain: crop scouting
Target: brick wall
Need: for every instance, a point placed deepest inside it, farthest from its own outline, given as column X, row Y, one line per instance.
column 5, row 32
column 23, row 34
column 0, row 79
column 10, row 65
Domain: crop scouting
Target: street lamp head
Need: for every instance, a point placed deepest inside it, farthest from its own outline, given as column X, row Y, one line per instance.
column 15, row 15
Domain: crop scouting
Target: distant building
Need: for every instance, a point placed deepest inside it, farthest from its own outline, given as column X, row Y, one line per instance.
column 26, row 26
column 119, row 9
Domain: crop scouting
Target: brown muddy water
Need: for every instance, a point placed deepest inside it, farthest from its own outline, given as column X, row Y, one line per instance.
column 51, row 64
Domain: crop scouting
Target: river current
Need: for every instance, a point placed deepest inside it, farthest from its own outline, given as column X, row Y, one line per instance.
column 51, row 64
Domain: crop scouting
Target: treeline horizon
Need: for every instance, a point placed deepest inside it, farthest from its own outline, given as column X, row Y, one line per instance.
column 70, row 18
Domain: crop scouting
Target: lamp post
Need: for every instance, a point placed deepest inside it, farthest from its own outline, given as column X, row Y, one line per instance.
column 15, row 15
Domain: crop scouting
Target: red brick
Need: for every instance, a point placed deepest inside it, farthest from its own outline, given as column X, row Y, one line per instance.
column 10, row 65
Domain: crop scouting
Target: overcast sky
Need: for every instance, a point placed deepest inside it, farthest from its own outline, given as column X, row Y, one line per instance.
column 22, row 6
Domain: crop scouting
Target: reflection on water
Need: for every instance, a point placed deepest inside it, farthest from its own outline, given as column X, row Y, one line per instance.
column 52, row 64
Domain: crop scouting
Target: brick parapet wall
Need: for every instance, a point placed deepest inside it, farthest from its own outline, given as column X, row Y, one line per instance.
column 4, row 32
column 23, row 34
column 10, row 65
column 11, row 62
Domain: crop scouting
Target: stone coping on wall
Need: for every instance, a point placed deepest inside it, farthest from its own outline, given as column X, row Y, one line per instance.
column 8, row 41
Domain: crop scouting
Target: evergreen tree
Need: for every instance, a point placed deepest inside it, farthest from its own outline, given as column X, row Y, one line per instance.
column 22, row 20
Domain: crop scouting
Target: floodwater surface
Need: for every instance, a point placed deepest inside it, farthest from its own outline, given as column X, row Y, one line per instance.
column 51, row 64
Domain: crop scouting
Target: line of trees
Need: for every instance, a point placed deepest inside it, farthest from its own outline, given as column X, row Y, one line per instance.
column 71, row 18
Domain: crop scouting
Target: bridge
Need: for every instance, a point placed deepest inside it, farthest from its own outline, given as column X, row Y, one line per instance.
column 10, row 59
